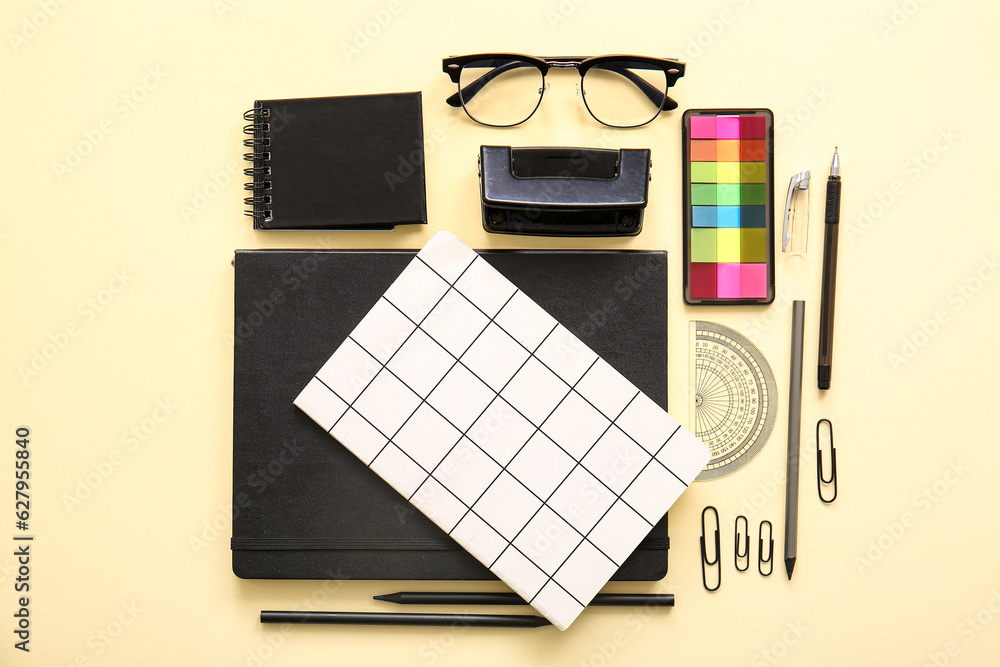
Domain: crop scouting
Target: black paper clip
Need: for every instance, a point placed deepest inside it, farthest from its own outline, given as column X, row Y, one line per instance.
column 746, row 544
column 760, row 548
column 704, row 555
column 821, row 478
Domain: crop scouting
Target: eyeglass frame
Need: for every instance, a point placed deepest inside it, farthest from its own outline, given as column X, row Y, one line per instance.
column 672, row 69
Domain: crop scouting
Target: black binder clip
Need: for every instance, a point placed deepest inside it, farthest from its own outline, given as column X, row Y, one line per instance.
column 563, row 191
column 821, row 478
column 746, row 544
column 705, row 562
column 760, row 548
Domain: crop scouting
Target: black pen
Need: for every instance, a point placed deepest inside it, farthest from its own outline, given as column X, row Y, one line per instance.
column 829, row 274
column 472, row 598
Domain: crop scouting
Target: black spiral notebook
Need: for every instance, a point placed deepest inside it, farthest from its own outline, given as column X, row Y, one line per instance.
column 339, row 163
column 304, row 506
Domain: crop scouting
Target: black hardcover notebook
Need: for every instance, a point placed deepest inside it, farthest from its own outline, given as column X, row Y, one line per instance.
column 304, row 506
column 350, row 162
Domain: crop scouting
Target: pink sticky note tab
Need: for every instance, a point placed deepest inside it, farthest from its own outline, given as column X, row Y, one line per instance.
column 703, row 127
column 730, row 281
column 754, row 280
column 753, row 127
column 727, row 127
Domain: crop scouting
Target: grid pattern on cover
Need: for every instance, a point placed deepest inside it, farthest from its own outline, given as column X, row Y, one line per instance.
column 502, row 427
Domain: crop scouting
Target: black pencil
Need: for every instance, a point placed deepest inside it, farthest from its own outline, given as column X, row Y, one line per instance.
column 369, row 618
column 600, row 600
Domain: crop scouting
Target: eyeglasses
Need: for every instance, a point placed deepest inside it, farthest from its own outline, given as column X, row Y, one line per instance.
column 504, row 89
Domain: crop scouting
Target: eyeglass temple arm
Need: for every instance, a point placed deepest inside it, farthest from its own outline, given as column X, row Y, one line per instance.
column 649, row 90
column 658, row 98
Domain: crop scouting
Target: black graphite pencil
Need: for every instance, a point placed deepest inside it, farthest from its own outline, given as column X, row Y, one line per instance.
column 794, row 433
column 370, row 618
column 473, row 598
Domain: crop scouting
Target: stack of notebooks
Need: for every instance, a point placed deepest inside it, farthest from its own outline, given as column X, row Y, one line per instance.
column 490, row 418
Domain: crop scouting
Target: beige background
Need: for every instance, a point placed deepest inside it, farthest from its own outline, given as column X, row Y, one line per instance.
column 122, row 207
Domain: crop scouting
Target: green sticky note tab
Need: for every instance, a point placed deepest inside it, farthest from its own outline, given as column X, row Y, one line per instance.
column 703, row 194
column 753, row 194
column 728, row 195
column 703, row 172
column 703, row 245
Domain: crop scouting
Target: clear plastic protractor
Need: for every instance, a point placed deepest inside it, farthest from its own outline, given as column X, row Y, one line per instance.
column 734, row 397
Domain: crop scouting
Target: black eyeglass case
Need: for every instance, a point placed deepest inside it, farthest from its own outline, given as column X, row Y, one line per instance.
column 543, row 191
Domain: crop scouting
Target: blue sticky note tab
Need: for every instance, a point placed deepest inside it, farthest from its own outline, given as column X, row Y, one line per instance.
column 752, row 216
column 703, row 216
column 728, row 216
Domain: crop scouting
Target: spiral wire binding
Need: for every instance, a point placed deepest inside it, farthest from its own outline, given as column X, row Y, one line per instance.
column 259, row 184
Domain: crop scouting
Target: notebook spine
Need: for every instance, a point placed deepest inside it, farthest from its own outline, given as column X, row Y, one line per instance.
column 259, row 203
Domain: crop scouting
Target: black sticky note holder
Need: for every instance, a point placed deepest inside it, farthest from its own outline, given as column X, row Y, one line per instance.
column 545, row 191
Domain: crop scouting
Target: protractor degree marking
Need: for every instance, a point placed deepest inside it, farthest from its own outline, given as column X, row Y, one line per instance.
column 736, row 410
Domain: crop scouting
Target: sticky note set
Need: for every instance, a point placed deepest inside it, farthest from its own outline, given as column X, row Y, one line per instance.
column 728, row 206
column 500, row 425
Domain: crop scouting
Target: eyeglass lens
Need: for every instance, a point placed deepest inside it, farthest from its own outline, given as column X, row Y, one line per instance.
column 624, row 93
column 500, row 91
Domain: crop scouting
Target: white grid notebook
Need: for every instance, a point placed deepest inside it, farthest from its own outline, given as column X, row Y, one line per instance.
column 500, row 425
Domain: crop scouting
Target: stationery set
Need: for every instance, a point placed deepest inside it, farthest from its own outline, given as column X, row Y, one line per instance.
column 447, row 414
